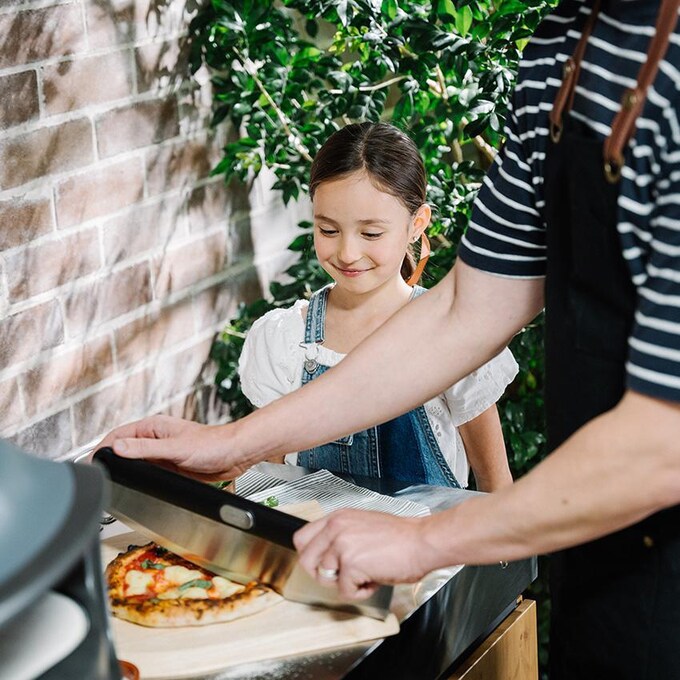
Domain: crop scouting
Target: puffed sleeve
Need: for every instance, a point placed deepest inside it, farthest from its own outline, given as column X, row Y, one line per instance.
column 270, row 364
column 475, row 393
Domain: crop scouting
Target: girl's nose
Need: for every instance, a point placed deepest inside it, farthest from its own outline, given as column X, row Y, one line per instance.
column 349, row 251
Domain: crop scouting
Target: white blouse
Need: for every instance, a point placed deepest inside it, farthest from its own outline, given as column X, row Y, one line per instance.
column 270, row 366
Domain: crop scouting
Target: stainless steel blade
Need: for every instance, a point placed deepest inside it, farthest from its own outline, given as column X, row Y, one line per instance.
column 232, row 552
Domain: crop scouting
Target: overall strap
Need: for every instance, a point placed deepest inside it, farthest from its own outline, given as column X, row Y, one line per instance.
column 633, row 99
column 564, row 99
column 425, row 250
column 315, row 325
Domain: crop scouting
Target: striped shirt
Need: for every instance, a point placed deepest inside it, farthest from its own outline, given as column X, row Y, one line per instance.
column 506, row 235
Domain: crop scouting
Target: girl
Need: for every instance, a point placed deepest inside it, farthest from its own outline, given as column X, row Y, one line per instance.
column 368, row 188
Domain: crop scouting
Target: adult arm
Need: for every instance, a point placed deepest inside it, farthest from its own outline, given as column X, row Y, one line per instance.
column 431, row 343
column 485, row 450
column 619, row 468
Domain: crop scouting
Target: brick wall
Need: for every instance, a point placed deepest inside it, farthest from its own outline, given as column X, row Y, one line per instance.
column 119, row 256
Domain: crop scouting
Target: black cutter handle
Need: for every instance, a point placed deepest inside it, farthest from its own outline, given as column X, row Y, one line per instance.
column 200, row 498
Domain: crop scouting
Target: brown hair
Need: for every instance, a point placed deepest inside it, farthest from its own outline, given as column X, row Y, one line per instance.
column 390, row 158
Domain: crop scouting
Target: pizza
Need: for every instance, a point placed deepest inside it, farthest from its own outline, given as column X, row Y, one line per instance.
column 152, row 586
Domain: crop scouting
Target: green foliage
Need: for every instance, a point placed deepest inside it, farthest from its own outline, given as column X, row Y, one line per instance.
column 287, row 74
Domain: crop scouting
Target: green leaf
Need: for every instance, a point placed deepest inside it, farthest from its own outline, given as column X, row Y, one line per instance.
column 389, row 9
column 149, row 564
column 341, row 8
column 196, row 583
column 463, row 20
column 446, row 9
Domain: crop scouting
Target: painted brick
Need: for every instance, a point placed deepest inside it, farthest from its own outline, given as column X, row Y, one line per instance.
column 66, row 374
column 37, row 34
column 162, row 65
column 22, row 220
column 107, row 298
column 154, row 333
column 45, row 151
column 208, row 206
column 79, row 82
column 195, row 106
column 113, row 23
column 177, row 408
column 217, row 304
column 48, row 438
column 176, row 165
column 97, row 415
column 11, row 412
column 136, row 126
column 194, row 261
column 98, row 192
column 19, row 97
column 119, row 22
column 37, row 269
column 150, row 227
column 175, row 373
column 202, row 405
column 26, row 333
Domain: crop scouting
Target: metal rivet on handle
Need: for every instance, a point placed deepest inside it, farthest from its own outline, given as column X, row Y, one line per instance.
column 241, row 519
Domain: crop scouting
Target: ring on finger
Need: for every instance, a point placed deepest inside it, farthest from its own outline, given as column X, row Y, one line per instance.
column 326, row 573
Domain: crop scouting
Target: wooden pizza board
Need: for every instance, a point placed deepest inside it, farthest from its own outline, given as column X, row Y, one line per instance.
column 285, row 629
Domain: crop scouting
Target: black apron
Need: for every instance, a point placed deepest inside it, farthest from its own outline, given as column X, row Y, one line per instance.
column 615, row 601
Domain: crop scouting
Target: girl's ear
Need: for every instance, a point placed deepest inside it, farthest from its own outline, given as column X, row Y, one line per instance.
column 421, row 221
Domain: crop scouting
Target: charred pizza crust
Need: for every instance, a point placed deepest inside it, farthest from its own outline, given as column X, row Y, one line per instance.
column 151, row 586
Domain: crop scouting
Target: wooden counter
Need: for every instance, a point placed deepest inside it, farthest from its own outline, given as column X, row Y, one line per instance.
column 509, row 653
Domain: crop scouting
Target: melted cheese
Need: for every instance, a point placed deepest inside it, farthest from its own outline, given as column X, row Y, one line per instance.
column 225, row 587
column 194, row 593
column 177, row 575
column 221, row 587
column 137, row 582
column 169, row 594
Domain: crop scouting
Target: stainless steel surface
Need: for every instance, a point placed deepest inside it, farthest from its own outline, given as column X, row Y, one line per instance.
column 449, row 613
column 226, row 550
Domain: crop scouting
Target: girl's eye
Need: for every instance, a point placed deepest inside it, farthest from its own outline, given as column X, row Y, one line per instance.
column 373, row 235
column 328, row 232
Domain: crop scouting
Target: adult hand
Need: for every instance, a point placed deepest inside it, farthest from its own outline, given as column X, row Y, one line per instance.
column 365, row 548
column 191, row 448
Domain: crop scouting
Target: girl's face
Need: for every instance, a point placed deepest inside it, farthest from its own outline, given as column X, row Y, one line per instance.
column 361, row 233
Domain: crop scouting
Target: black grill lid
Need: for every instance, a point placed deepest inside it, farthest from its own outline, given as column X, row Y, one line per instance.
column 48, row 517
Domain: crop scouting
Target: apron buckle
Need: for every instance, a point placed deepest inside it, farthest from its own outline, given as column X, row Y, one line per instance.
column 555, row 132
column 612, row 171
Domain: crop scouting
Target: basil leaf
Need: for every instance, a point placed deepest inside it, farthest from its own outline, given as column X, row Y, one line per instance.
column 148, row 564
column 196, row 583
column 271, row 502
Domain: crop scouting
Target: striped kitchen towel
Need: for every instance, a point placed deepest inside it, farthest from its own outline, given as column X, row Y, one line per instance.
column 331, row 492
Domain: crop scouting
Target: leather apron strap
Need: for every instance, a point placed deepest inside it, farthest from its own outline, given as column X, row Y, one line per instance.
column 632, row 100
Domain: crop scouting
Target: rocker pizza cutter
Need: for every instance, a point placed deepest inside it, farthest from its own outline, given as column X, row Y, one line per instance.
column 222, row 532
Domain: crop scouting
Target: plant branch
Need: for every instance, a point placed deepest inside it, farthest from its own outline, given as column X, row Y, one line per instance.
column 487, row 151
column 442, row 82
column 457, row 151
column 373, row 88
column 285, row 122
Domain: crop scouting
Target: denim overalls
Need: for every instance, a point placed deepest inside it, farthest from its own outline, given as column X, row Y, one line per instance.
column 404, row 448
